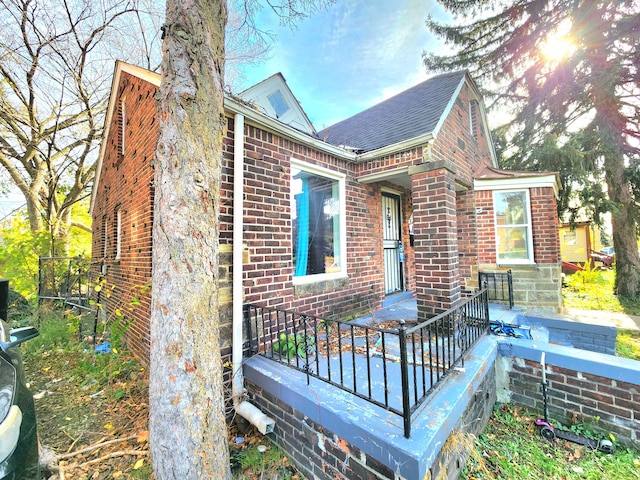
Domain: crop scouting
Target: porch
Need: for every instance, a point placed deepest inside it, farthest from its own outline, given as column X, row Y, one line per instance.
column 359, row 392
column 387, row 358
column 333, row 433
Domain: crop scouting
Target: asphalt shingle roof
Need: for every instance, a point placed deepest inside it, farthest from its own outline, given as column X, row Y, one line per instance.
column 409, row 114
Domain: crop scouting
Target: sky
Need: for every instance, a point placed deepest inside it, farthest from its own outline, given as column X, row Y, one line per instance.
column 350, row 56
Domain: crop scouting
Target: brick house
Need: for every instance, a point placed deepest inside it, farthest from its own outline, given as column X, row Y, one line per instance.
column 403, row 197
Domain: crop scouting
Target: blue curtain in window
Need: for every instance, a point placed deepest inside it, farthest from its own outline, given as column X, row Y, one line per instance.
column 302, row 250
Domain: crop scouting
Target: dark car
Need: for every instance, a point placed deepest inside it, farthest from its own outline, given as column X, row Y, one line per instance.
column 18, row 437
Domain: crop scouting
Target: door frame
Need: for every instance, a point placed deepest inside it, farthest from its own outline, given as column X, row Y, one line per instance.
column 394, row 280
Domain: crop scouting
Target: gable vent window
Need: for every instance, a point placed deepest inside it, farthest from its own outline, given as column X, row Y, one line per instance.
column 473, row 118
column 278, row 103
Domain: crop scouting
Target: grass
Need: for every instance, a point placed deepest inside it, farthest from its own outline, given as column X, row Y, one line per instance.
column 594, row 290
column 83, row 398
column 512, row 448
column 252, row 457
column 628, row 344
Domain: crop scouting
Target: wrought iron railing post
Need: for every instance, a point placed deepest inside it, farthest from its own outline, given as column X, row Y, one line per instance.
column 485, row 304
column 510, row 286
column 404, row 372
column 247, row 318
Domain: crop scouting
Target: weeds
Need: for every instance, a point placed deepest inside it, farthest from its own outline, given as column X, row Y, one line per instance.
column 511, row 447
column 628, row 344
column 593, row 290
column 252, row 458
column 116, row 369
column 290, row 346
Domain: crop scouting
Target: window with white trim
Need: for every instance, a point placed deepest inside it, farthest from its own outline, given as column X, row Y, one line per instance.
column 278, row 103
column 514, row 241
column 318, row 222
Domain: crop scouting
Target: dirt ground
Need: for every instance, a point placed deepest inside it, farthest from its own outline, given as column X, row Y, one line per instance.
column 90, row 428
column 88, row 431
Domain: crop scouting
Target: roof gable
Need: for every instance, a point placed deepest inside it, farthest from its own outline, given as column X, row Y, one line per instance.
column 275, row 99
column 416, row 112
column 120, row 68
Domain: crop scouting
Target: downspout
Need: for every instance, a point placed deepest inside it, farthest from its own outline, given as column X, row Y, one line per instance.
column 242, row 407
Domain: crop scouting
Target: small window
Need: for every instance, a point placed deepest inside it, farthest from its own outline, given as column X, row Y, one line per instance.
column 513, row 227
column 570, row 238
column 278, row 103
column 473, row 118
column 318, row 221
column 118, row 233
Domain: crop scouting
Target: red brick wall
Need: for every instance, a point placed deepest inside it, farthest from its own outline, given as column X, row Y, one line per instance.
column 579, row 397
column 485, row 221
column 126, row 183
column 436, row 252
column 545, row 225
column 385, row 163
column 268, row 268
column 456, row 143
column 467, row 147
column 467, row 233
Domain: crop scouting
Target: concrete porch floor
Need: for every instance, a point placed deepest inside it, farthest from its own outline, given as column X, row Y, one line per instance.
column 404, row 306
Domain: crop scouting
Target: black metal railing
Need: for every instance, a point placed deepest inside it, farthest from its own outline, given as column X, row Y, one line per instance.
column 393, row 368
column 499, row 285
column 65, row 279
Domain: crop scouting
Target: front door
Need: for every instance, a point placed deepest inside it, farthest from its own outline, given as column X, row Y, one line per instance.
column 393, row 251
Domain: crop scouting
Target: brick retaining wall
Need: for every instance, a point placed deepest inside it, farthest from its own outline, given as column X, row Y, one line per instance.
column 601, row 390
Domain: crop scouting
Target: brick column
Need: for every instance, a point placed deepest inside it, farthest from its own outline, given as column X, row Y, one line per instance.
column 436, row 237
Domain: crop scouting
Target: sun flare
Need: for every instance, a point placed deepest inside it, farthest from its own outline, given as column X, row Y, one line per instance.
column 557, row 47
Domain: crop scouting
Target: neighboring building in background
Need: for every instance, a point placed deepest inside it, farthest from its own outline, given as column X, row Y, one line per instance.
column 583, row 243
column 576, row 242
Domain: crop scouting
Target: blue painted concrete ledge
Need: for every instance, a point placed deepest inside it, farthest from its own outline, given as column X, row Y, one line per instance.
column 594, row 363
column 372, row 429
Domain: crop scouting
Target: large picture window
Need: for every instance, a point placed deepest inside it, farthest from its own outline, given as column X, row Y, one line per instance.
column 318, row 221
column 513, row 226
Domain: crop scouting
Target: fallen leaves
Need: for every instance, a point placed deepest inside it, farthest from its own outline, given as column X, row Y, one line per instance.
column 93, row 436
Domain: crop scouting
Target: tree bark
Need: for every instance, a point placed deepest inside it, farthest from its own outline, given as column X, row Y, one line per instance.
column 187, row 425
column 611, row 124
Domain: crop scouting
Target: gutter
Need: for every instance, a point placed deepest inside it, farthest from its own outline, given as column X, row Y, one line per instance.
column 242, row 407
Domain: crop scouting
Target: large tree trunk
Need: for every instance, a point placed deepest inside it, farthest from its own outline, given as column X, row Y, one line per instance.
column 611, row 124
column 625, row 236
column 186, row 421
